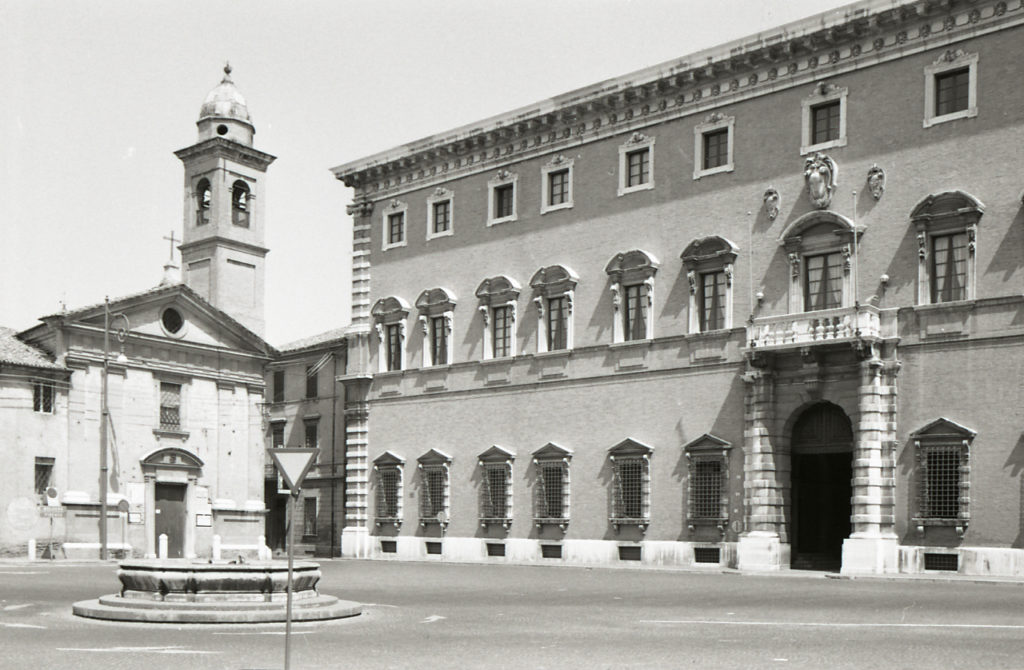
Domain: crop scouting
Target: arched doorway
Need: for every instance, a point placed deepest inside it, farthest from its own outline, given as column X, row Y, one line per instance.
column 822, row 453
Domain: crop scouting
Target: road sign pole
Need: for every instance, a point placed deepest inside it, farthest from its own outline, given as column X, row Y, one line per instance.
column 288, row 597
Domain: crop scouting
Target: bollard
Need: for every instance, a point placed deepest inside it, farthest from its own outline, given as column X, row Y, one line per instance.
column 162, row 551
column 216, row 547
column 32, row 550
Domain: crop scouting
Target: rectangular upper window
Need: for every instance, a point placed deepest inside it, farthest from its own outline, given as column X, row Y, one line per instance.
column 312, row 383
column 440, row 213
column 825, row 122
column 712, row 301
column 949, row 267
column 278, row 386
column 713, row 146
column 42, row 397
column 558, row 187
column 639, row 163
column 393, row 220
column 277, row 435
column 396, row 228
column 951, row 88
column 556, row 184
column 823, row 286
column 170, row 406
column 503, row 201
column 636, row 164
column 442, row 216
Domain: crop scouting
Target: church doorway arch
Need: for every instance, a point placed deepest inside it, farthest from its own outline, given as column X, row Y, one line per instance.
column 822, row 460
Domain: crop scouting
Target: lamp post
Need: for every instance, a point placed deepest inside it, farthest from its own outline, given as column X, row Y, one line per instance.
column 122, row 333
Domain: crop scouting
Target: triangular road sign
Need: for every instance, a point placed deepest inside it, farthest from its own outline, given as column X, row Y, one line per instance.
column 293, row 463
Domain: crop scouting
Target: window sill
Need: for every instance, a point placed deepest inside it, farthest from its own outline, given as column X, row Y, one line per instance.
column 389, row 521
column 698, row 174
column 642, row 524
column 962, row 114
column 434, row 236
column 554, row 208
column 649, row 186
column 396, row 245
column 175, row 434
column 504, row 219
column 562, row 523
column 831, row 144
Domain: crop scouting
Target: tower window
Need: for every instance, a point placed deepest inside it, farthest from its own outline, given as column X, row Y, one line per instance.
column 240, row 204
column 222, row 129
column 202, row 202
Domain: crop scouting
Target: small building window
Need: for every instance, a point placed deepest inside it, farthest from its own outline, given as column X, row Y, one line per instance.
column 712, row 301
column 312, row 434
column 551, row 485
column 947, row 229
column 437, row 309
column 312, row 382
column 389, row 316
column 277, row 434
column 170, row 406
column 203, row 202
column 632, row 276
column 951, row 88
column 713, row 146
column 42, row 396
column 496, row 486
column 556, row 184
column 707, row 501
column 442, row 217
column 943, row 484
column 241, row 200
column 631, row 484
column 434, row 469
column 497, row 304
column 440, row 211
column 278, row 386
column 823, row 124
column 501, row 196
column 309, row 516
column 44, row 477
column 823, row 286
column 388, row 469
column 636, row 164
column 553, row 289
column 394, row 232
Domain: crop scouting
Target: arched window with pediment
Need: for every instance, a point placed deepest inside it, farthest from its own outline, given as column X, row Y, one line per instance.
column 553, row 289
column 709, row 269
column 947, row 228
column 820, row 249
column 389, row 317
column 437, row 311
column 632, row 285
column 497, row 304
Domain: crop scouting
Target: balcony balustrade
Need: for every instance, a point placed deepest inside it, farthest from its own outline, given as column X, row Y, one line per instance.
column 843, row 324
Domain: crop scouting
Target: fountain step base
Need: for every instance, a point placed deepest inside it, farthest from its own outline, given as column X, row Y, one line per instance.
column 116, row 608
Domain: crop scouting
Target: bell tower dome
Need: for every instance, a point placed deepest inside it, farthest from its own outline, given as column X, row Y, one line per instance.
column 222, row 251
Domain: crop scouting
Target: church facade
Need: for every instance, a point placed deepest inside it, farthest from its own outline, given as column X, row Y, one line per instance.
column 757, row 307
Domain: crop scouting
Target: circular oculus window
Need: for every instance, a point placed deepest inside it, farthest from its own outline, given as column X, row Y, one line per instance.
column 172, row 321
column 222, row 129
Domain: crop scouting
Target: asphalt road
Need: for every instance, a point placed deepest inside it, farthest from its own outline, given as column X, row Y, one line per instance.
column 433, row 615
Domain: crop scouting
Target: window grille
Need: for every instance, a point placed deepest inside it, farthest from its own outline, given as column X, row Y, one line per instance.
column 496, row 494
column 495, row 549
column 434, row 493
column 947, row 562
column 707, row 502
column 631, row 489
column 170, row 406
column 943, row 477
column 309, row 517
column 551, row 492
column 630, row 553
column 707, row 555
column 551, row 551
column 434, row 548
column 388, row 500
column 389, row 546
column 42, row 397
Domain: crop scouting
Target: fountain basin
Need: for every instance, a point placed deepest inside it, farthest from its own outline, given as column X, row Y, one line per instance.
column 183, row 591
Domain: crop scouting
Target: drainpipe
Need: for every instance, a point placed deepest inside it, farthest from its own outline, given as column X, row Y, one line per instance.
column 334, row 449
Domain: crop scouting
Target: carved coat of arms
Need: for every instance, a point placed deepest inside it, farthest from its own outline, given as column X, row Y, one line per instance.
column 820, row 173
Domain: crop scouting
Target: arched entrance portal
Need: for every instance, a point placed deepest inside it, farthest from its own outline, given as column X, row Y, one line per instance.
column 822, row 452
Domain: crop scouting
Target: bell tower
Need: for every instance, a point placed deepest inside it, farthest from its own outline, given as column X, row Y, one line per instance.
column 222, row 250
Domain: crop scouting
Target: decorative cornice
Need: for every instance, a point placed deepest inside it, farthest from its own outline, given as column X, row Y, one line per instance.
column 224, row 147
column 805, row 51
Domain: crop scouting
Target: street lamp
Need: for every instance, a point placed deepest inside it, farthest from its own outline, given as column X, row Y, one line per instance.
column 122, row 333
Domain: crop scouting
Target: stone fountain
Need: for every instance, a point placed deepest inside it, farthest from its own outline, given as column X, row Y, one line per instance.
column 186, row 591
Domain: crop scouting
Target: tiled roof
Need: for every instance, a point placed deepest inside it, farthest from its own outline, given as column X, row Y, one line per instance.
column 313, row 340
column 16, row 352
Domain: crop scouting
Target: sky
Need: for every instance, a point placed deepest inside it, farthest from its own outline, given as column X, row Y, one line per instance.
column 96, row 96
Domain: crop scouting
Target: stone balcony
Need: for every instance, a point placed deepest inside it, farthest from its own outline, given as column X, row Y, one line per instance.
column 827, row 326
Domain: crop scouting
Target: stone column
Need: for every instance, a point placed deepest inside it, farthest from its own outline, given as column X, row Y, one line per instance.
column 150, row 514
column 762, row 546
column 873, row 545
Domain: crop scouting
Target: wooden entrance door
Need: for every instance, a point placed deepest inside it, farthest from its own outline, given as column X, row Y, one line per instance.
column 822, row 453
column 170, row 518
